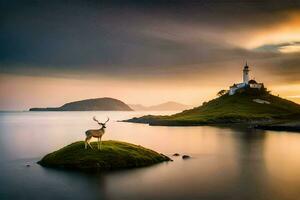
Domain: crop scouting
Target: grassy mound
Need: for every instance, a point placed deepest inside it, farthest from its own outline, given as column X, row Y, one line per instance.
column 238, row 108
column 113, row 155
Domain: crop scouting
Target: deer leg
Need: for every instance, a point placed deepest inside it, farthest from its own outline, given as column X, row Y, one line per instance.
column 100, row 142
column 89, row 142
column 86, row 142
column 90, row 145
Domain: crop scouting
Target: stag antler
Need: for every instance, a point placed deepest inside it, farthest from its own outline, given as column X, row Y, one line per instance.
column 94, row 118
column 106, row 120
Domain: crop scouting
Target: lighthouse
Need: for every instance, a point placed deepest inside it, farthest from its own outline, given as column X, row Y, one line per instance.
column 246, row 74
column 252, row 84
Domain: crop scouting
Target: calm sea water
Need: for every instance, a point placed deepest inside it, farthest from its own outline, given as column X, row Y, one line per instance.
column 226, row 163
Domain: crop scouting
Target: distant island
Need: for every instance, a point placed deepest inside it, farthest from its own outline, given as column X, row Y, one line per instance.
column 98, row 104
column 248, row 102
column 168, row 106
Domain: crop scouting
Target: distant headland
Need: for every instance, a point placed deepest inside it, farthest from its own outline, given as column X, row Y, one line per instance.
column 98, row 104
column 167, row 106
column 248, row 102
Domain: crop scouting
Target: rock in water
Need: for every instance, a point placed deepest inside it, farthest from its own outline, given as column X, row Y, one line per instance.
column 113, row 155
column 186, row 156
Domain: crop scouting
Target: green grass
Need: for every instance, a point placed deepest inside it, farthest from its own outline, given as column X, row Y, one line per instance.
column 113, row 155
column 238, row 108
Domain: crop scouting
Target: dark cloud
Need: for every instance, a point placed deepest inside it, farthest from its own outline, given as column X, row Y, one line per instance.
column 132, row 37
column 286, row 67
column 277, row 48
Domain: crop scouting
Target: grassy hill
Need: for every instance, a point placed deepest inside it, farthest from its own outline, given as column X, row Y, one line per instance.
column 248, row 105
column 113, row 155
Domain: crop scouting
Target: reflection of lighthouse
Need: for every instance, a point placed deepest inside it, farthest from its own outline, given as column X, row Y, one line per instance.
column 246, row 74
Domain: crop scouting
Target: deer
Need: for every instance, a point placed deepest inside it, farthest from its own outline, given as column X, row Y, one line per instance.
column 96, row 133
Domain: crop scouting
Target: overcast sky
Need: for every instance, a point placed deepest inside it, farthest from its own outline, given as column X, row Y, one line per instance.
column 144, row 52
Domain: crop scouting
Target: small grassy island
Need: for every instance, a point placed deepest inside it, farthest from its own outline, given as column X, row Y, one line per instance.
column 113, row 155
column 248, row 102
column 257, row 107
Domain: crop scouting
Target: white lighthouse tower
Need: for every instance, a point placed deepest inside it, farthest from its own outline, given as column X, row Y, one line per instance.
column 246, row 74
column 246, row 82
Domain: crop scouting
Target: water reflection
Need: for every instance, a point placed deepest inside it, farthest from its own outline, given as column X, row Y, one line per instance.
column 227, row 163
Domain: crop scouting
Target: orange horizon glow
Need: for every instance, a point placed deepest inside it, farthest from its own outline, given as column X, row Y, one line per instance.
column 23, row 92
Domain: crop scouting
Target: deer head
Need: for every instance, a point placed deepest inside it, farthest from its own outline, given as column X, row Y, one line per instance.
column 101, row 124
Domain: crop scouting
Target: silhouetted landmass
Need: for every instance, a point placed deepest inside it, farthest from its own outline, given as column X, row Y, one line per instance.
column 113, row 155
column 168, row 106
column 99, row 104
column 247, row 106
column 293, row 126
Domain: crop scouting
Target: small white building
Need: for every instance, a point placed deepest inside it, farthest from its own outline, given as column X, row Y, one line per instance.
column 246, row 82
